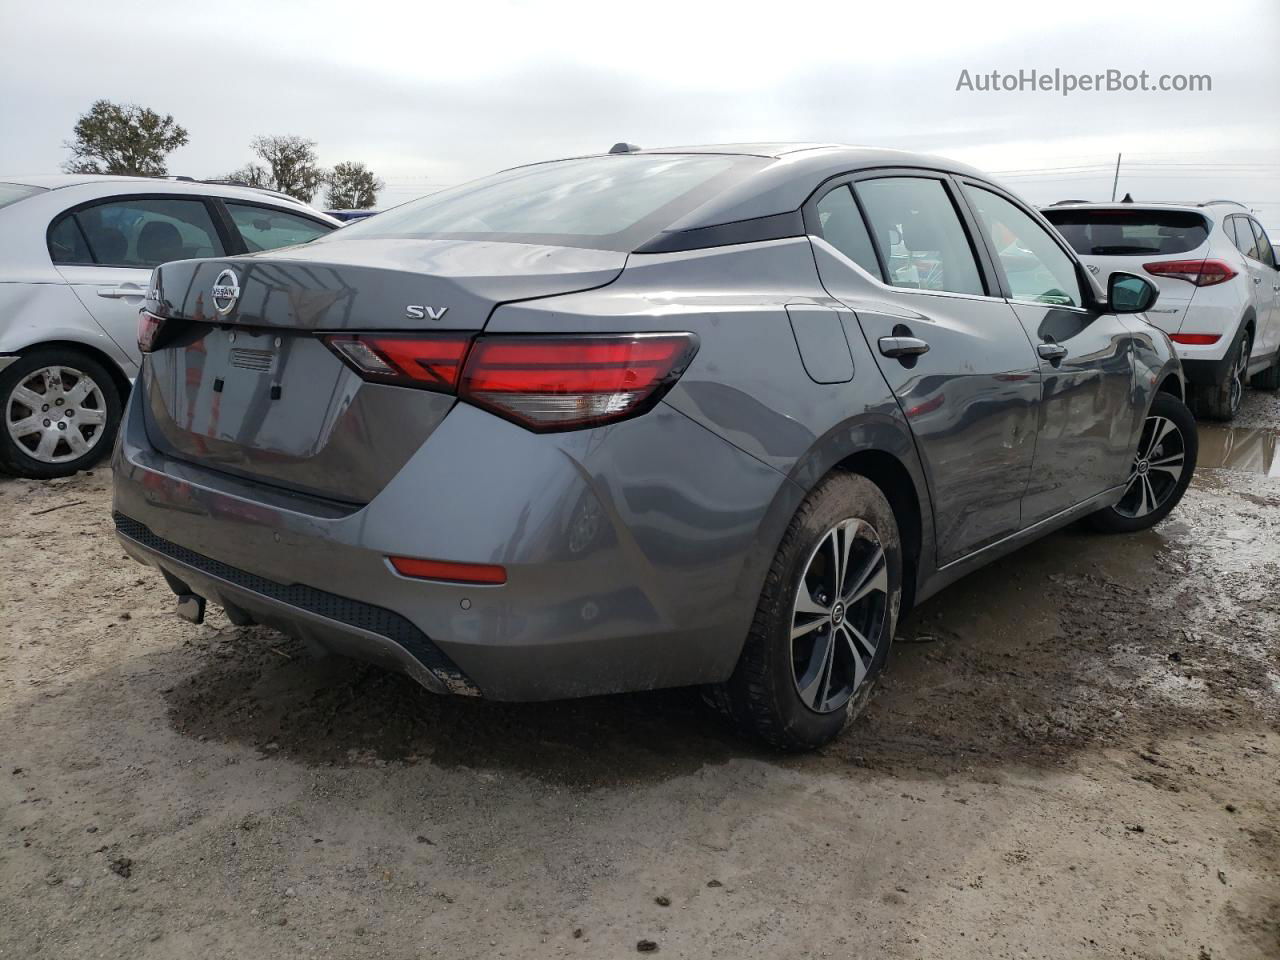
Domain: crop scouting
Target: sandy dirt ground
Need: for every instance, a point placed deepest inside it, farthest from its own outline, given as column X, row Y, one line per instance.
column 1076, row 753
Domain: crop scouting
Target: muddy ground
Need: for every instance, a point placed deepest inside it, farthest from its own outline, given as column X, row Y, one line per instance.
column 1076, row 753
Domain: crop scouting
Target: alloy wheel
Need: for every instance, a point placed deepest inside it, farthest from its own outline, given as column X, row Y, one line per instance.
column 1239, row 374
column 56, row 414
column 838, row 621
column 1157, row 469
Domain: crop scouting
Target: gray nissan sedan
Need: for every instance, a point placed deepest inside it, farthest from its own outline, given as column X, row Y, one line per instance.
column 709, row 415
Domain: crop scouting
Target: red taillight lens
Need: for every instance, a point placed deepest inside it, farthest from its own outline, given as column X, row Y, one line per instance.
column 1203, row 273
column 561, row 382
column 481, row 573
column 1195, row 339
column 429, row 362
column 148, row 329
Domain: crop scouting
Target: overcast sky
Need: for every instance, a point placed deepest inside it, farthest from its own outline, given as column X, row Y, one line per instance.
column 432, row 94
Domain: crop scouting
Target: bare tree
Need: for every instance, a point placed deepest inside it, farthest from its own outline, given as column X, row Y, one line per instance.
column 352, row 186
column 292, row 167
column 123, row 139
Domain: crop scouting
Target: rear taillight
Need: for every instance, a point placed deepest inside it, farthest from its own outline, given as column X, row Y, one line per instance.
column 543, row 383
column 561, row 382
column 148, row 330
column 429, row 362
column 1195, row 339
column 1203, row 273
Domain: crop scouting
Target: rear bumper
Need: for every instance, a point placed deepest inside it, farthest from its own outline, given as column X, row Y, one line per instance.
column 334, row 623
column 634, row 553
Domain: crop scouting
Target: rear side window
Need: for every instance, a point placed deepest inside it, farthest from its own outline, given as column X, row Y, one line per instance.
column 267, row 228
column 136, row 232
column 13, row 192
column 1129, row 233
column 67, row 243
column 1036, row 267
column 609, row 203
column 842, row 226
column 918, row 232
column 1265, row 252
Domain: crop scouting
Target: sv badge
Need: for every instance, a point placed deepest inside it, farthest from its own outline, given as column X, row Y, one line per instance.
column 415, row 311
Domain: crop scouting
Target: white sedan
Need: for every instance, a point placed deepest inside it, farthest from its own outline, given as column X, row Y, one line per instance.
column 76, row 253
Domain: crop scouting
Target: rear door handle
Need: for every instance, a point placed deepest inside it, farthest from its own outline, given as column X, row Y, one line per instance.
column 1053, row 352
column 123, row 292
column 902, row 346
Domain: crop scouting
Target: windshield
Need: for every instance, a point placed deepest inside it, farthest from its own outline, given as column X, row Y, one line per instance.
column 13, row 192
column 607, row 203
column 1132, row 233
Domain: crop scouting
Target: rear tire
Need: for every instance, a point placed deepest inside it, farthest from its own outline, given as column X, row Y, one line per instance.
column 59, row 412
column 1221, row 401
column 1162, row 468
column 825, row 620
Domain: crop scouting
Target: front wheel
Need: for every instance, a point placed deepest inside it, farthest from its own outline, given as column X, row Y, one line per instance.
column 1162, row 468
column 825, row 619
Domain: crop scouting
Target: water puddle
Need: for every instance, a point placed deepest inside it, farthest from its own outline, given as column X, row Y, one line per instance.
column 1248, row 449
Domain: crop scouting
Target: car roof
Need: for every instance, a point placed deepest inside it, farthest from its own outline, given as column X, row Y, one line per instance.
column 59, row 181
column 793, row 170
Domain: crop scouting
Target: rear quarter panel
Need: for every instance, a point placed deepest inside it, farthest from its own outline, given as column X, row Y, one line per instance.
column 748, row 383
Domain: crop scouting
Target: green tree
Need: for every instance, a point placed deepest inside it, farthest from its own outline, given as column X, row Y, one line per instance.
column 352, row 186
column 123, row 139
column 292, row 167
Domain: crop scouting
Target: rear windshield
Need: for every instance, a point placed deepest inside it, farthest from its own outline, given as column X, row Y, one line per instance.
column 1129, row 233
column 607, row 203
column 13, row 192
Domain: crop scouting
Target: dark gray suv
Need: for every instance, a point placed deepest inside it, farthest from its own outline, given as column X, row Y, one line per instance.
column 704, row 415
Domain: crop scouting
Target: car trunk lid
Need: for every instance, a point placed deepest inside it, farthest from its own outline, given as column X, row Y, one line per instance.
column 243, row 383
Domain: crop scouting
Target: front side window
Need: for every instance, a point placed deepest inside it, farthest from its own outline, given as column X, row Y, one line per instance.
column 842, row 226
column 918, row 232
column 143, row 232
column 1245, row 241
column 266, row 228
column 1036, row 267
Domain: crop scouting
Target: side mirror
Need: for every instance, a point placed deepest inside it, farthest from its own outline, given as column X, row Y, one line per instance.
column 1130, row 293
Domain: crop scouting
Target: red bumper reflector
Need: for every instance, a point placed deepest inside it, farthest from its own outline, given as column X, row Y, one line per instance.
column 1195, row 339
column 484, row 573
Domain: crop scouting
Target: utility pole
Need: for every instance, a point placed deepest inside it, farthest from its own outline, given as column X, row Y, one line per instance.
column 1116, row 181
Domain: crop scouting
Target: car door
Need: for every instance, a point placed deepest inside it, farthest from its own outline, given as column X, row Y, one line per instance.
column 1260, row 281
column 1085, row 435
column 1268, row 294
column 893, row 248
column 106, row 250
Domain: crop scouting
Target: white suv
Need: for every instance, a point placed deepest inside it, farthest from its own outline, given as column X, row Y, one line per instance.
column 1219, row 286
column 76, row 254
